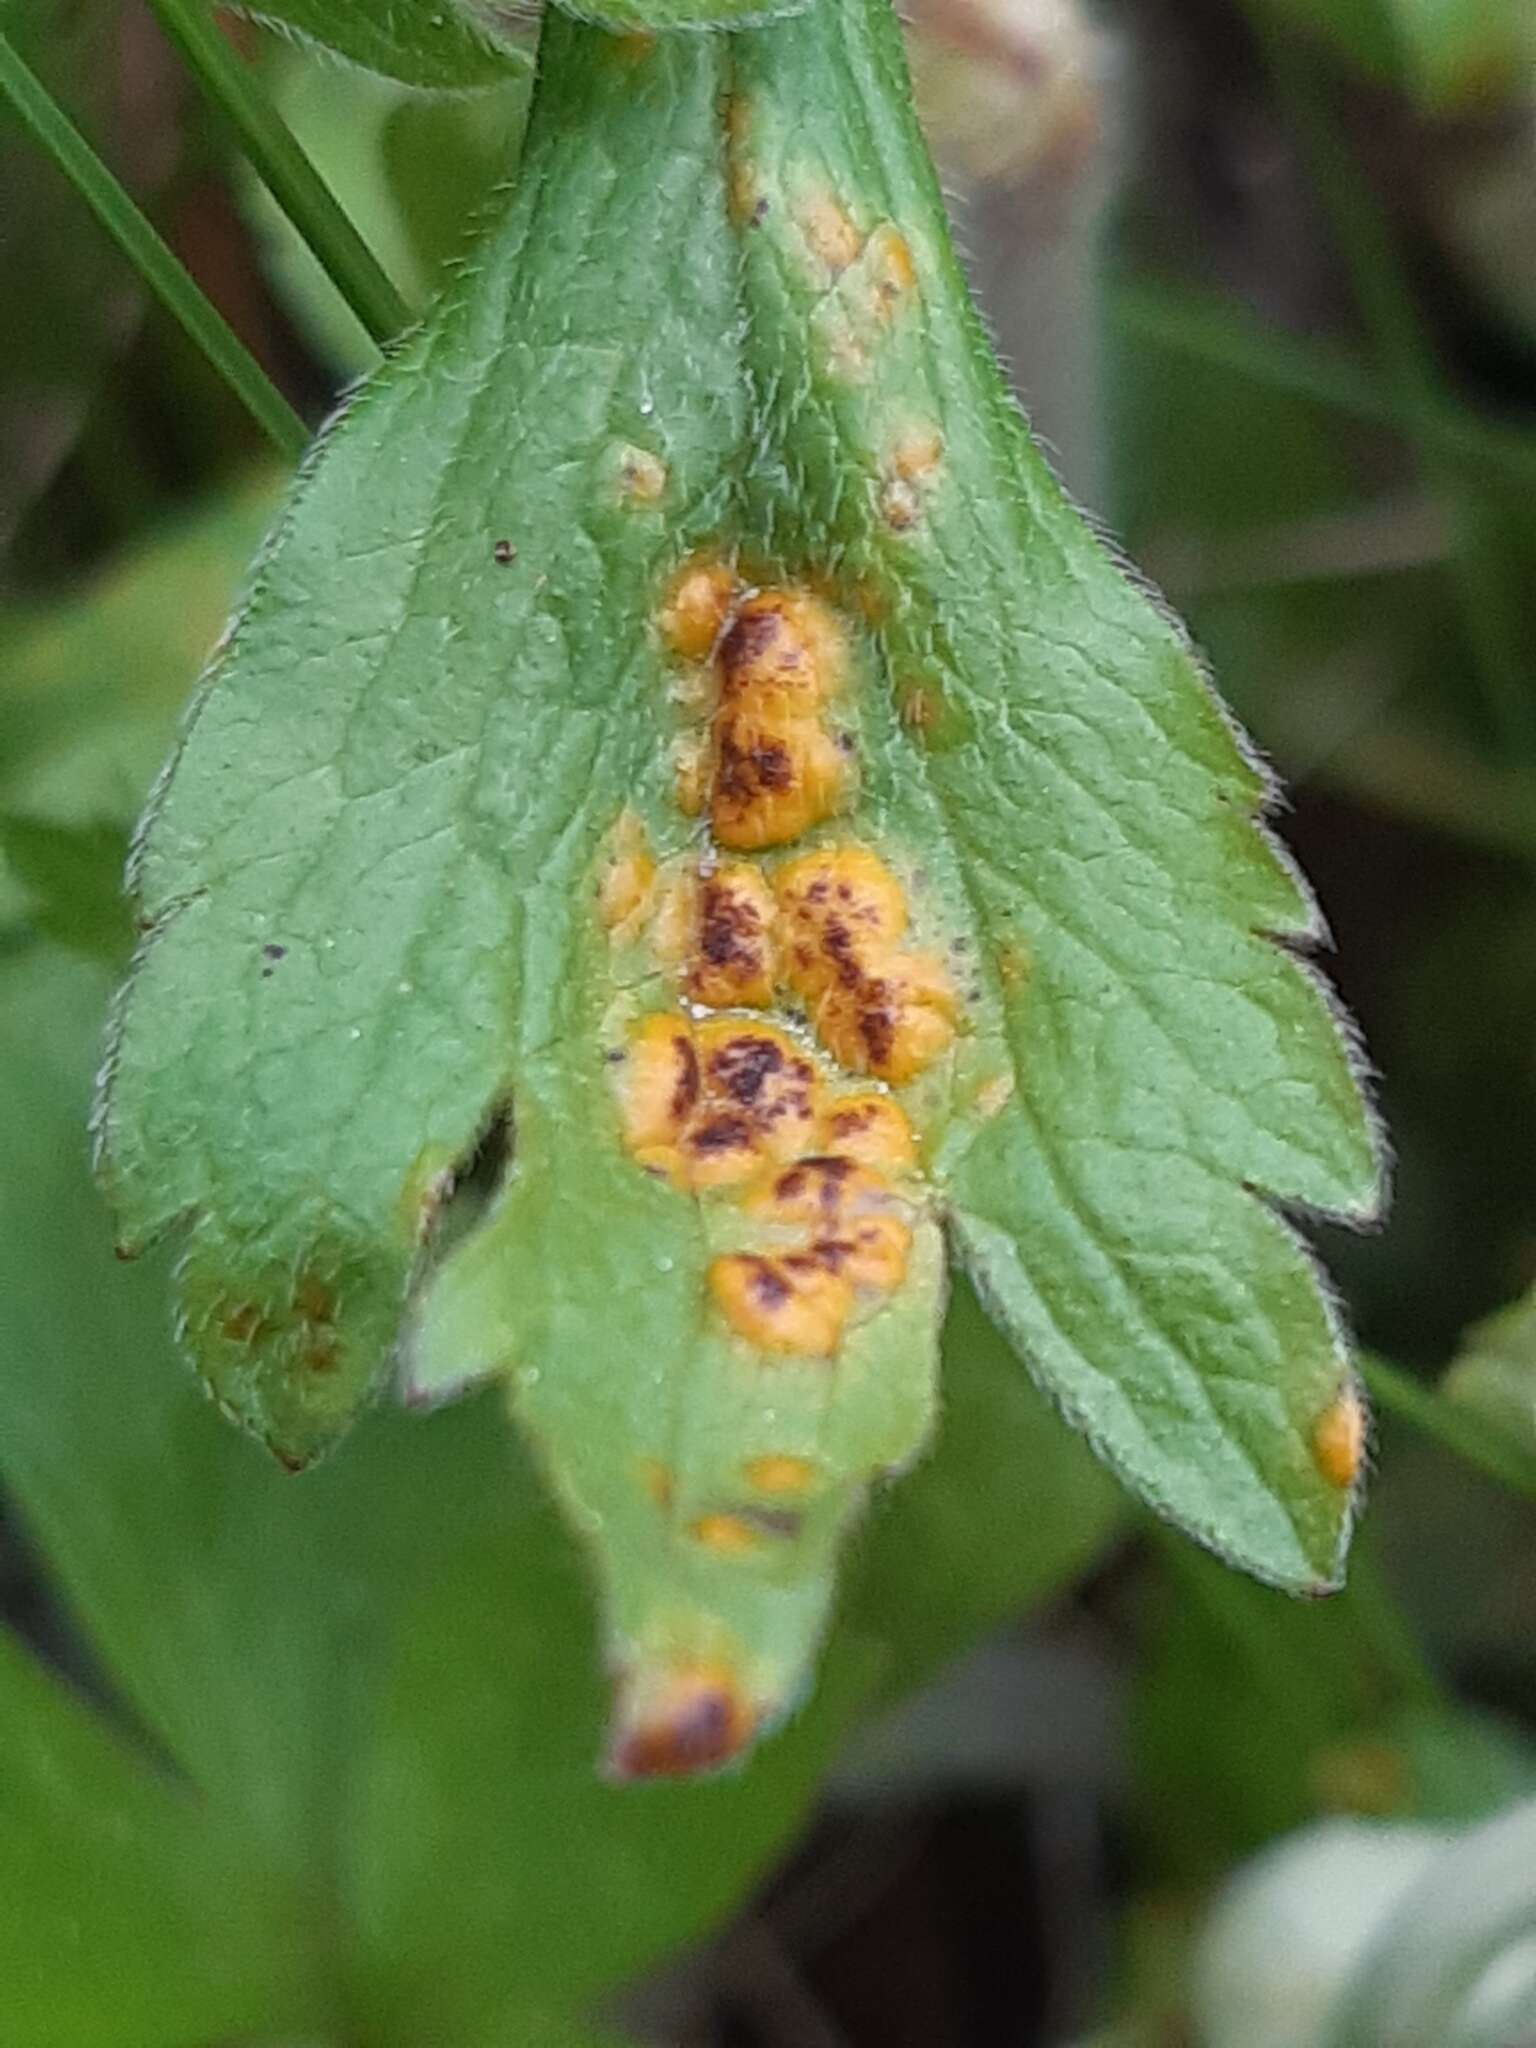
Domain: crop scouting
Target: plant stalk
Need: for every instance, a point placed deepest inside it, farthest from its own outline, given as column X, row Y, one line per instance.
column 237, row 94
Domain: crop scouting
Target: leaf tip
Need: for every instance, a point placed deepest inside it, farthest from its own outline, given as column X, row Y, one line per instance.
column 679, row 1721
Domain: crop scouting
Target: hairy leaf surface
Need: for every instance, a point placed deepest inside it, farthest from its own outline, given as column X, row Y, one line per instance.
column 680, row 739
column 439, row 45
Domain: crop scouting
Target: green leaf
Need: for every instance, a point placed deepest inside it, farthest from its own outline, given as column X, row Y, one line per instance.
column 73, row 874
column 649, row 16
column 1445, row 53
column 120, row 1927
column 436, row 45
column 415, row 881
column 1494, row 1374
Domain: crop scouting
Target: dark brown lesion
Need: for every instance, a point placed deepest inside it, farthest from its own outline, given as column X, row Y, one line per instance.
column 745, row 771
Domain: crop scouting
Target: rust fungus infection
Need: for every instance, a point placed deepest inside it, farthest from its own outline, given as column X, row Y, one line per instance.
column 1338, row 1440
column 892, row 274
column 792, row 1303
column 877, row 1010
column 696, row 606
column 709, row 1105
column 901, row 506
column 680, row 1720
column 839, row 907
column 825, row 1191
column 743, row 196
column 717, row 927
column 785, row 648
column 628, row 879
column 642, row 476
column 726, row 1535
column 780, row 1474
column 775, row 769
column 830, row 235
column 775, row 775
column 871, row 1129
column 657, row 1481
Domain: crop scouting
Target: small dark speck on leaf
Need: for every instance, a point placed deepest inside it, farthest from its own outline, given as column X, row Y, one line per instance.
column 759, row 213
column 504, row 552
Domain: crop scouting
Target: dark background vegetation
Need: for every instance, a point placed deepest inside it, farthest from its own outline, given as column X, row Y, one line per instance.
column 1267, row 280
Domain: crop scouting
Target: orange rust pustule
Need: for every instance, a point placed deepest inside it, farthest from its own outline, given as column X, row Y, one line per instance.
column 1338, row 1440
column 696, row 1721
column 776, row 774
column 878, row 1011
column 787, row 643
column 892, row 1023
column 709, row 1105
column 731, row 954
column 870, row 1129
column 824, row 1191
column 726, row 1535
column 891, row 269
column 833, row 239
column 696, row 606
column 628, row 877
column 872, row 1253
column 659, row 1082
column 838, row 907
column 781, row 1474
column 791, row 1304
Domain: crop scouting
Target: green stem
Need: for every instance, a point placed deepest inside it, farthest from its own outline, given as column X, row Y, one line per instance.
column 237, row 93
column 1455, row 1429
column 150, row 256
column 1494, row 621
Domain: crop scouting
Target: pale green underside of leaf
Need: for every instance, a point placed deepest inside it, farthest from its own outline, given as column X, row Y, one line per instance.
column 370, row 878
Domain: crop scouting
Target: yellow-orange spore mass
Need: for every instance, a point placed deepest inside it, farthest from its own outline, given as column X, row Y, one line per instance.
column 839, row 907
column 726, row 1535
column 1338, row 1440
column 872, row 1253
column 710, row 1105
column 780, row 1473
column 759, row 1100
column 893, row 1022
column 658, row 1083
column 892, row 272
column 824, row 1191
column 627, row 880
column 697, row 604
column 785, row 649
column 674, row 1723
column 917, row 455
column 730, row 953
column 833, row 239
column 878, row 1011
column 792, row 1304
column 870, row 1129
column 775, row 774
